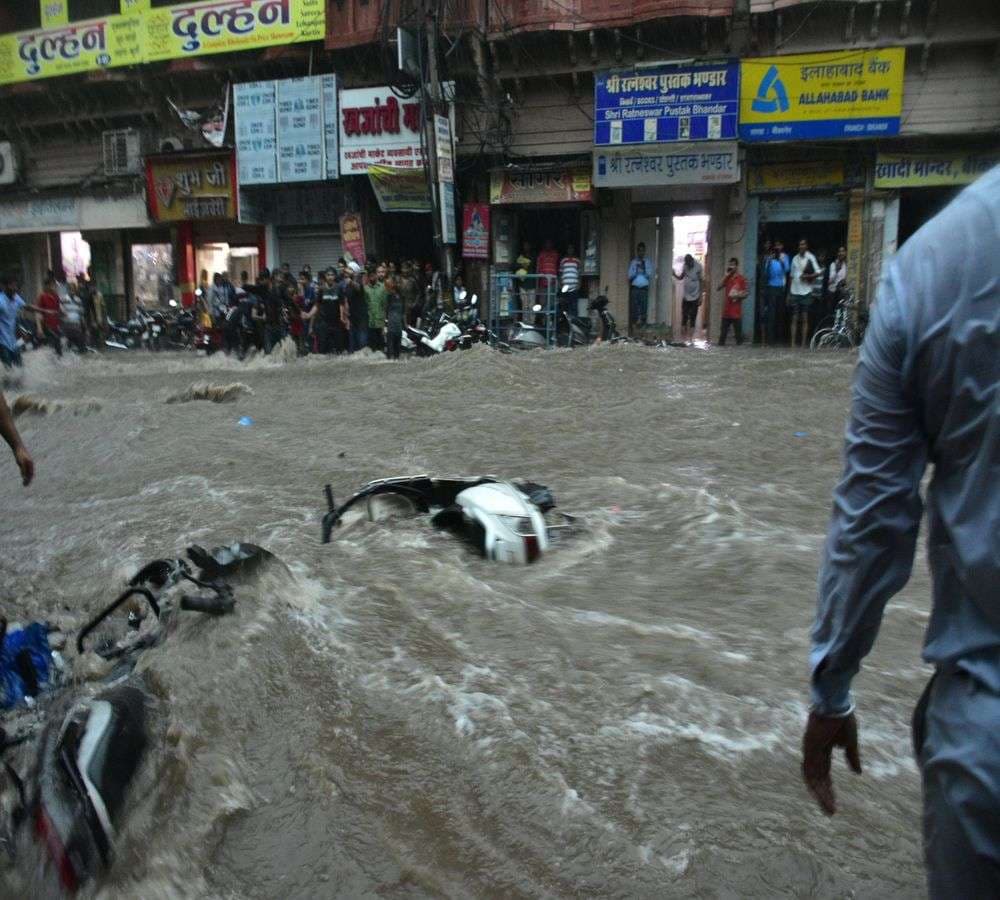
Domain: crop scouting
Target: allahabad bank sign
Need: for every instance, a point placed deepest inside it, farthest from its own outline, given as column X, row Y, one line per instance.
column 842, row 94
column 141, row 34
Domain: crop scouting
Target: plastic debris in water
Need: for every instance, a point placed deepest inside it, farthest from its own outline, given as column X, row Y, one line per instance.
column 245, row 421
column 801, row 434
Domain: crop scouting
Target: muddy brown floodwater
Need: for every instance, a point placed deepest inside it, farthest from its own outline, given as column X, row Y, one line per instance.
column 392, row 717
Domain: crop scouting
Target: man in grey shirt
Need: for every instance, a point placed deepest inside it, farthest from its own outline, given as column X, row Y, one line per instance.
column 693, row 276
column 927, row 389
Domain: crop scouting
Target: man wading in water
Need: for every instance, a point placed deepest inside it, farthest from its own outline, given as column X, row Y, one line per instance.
column 8, row 432
column 927, row 389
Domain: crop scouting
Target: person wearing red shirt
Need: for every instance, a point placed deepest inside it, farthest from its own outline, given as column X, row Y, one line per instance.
column 547, row 264
column 734, row 290
column 48, row 302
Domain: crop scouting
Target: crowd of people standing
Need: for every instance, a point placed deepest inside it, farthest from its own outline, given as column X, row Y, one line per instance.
column 343, row 309
column 70, row 309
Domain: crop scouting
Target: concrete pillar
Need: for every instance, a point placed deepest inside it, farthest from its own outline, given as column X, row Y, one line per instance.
column 187, row 276
column 616, row 252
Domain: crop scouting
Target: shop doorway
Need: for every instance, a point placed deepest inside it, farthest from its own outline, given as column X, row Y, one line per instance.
column 690, row 236
column 74, row 255
column 536, row 226
column 824, row 239
column 408, row 236
column 227, row 258
column 153, row 275
column 917, row 206
column 668, row 240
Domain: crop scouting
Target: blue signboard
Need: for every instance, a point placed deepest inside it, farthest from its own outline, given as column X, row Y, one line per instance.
column 659, row 104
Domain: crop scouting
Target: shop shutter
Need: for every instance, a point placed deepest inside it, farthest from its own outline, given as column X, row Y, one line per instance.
column 318, row 249
column 815, row 208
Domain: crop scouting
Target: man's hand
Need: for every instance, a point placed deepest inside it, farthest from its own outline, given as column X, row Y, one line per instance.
column 823, row 733
column 25, row 463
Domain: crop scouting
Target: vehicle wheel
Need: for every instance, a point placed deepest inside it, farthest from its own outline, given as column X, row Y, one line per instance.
column 828, row 339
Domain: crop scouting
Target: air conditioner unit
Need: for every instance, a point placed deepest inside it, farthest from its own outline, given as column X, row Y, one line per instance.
column 121, row 152
column 171, row 145
column 8, row 163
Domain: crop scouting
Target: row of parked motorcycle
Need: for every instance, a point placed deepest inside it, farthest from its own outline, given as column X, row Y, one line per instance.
column 173, row 330
column 460, row 330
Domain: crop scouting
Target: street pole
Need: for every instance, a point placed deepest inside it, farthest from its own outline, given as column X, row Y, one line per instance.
column 432, row 102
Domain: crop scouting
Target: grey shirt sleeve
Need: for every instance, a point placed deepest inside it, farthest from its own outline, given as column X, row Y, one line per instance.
column 876, row 510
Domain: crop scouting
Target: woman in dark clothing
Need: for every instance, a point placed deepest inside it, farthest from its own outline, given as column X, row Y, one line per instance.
column 394, row 315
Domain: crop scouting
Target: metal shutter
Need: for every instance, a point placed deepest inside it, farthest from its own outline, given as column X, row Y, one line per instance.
column 815, row 208
column 312, row 247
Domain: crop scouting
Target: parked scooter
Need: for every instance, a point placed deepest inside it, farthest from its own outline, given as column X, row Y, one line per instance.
column 525, row 336
column 442, row 335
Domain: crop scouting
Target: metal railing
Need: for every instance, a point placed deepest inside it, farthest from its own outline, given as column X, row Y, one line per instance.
column 512, row 300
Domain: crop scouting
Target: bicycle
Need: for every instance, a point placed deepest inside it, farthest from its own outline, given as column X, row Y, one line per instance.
column 847, row 329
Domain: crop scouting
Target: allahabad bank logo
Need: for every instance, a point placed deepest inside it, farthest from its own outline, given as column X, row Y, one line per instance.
column 772, row 97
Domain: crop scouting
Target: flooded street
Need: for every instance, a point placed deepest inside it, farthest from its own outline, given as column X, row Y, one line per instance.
column 394, row 717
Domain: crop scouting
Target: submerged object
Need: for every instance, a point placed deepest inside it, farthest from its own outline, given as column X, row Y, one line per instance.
column 25, row 663
column 505, row 521
column 83, row 757
column 84, row 768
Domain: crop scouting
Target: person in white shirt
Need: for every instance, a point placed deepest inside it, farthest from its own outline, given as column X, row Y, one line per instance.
column 838, row 273
column 804, row 271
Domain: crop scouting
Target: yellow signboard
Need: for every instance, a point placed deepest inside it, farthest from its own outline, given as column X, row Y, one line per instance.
column 800, row 176
column 191, row 188
column 812, row 96
column 143, row 34
column 225, row 26
column 68, row 49
column 898, row 170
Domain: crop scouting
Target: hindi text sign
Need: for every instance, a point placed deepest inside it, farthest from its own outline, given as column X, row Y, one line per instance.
column 661, row 104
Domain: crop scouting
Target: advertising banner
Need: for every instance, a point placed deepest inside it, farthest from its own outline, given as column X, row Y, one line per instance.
column 476, row 231
column 225, row 26
column 40, row 214
column 377, row 128
column 283, row 130
column 555, row 186
column 449, row 221
column 666, row 103
column 899, row 170
column 400, row 190
column 70, row 49
column 191, row 187
column 141, row 33
column 256, row 137
column 445, row 153
column 715, row 163
column 795, row 176
column 841, row 94
column 299, row 108
column 352, row 236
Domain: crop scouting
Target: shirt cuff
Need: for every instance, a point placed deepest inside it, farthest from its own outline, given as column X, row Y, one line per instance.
column 831, row 695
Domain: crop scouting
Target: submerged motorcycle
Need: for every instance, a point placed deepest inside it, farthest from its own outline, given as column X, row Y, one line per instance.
column 83, row 764
column 504, row 521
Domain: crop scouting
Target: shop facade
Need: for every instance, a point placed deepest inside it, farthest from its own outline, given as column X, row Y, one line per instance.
column 32, row 232
column 194, row 204
column 674, row 199
column 535, row 204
